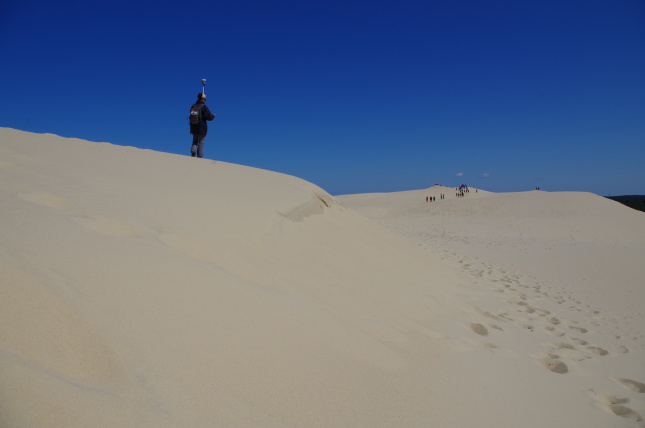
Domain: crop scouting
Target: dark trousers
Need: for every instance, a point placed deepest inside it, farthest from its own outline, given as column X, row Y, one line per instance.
column 198, row 145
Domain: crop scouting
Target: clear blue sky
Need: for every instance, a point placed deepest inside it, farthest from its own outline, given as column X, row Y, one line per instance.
column 354, row 96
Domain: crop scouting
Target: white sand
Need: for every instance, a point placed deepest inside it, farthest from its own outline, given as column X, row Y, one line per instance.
column 142, row 289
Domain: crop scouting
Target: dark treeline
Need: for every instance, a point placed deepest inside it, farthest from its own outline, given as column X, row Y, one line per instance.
column 636, row 202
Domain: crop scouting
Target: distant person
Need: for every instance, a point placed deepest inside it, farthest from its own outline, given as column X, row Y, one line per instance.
column 199, row 113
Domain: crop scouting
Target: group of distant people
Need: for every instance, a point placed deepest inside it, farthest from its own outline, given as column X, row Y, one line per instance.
column 461, row 192
column 434, row 198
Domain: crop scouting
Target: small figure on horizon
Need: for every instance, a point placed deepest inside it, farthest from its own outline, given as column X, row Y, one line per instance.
column 199, row 114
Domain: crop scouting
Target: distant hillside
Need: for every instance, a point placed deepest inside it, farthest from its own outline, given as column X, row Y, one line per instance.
column 633, row 201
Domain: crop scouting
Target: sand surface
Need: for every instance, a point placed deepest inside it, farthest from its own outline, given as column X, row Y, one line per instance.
column 143, row 289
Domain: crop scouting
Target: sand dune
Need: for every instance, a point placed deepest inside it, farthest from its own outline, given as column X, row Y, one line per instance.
column 561, row 272
column 148, row 289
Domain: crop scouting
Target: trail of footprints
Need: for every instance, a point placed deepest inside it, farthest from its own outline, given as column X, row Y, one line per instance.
column 523, row 314
column 569, row 346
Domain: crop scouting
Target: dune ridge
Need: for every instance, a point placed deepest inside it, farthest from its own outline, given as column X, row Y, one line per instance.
column 148, row 289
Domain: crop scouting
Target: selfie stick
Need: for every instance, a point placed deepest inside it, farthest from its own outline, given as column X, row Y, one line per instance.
column 204, row 86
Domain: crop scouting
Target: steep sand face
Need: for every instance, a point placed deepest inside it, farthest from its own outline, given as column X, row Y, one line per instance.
column 147, row 289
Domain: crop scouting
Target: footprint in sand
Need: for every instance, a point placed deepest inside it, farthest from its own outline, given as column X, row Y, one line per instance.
column 614, row 404
column 597, row 351
column 622, row 411
column 578, row 329
column 554, row 320
column 631, row 385
column 554, row 365
column 479, row 329
column 621, row 349
column 567, row 351
column 604, row 397
column 560, row 345
column 553, row 331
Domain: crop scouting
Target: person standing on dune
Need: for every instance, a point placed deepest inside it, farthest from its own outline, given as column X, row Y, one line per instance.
column 199, row 115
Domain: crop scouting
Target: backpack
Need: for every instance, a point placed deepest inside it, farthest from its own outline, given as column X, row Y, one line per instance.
column 195, row 114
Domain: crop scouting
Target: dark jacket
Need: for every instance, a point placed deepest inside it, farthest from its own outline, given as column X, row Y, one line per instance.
column 202, row 127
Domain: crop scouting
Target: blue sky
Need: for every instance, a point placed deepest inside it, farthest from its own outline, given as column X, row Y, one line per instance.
column 354, row 96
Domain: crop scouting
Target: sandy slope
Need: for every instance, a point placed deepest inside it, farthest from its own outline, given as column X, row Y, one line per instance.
column 147, row 289
column 559, row 280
